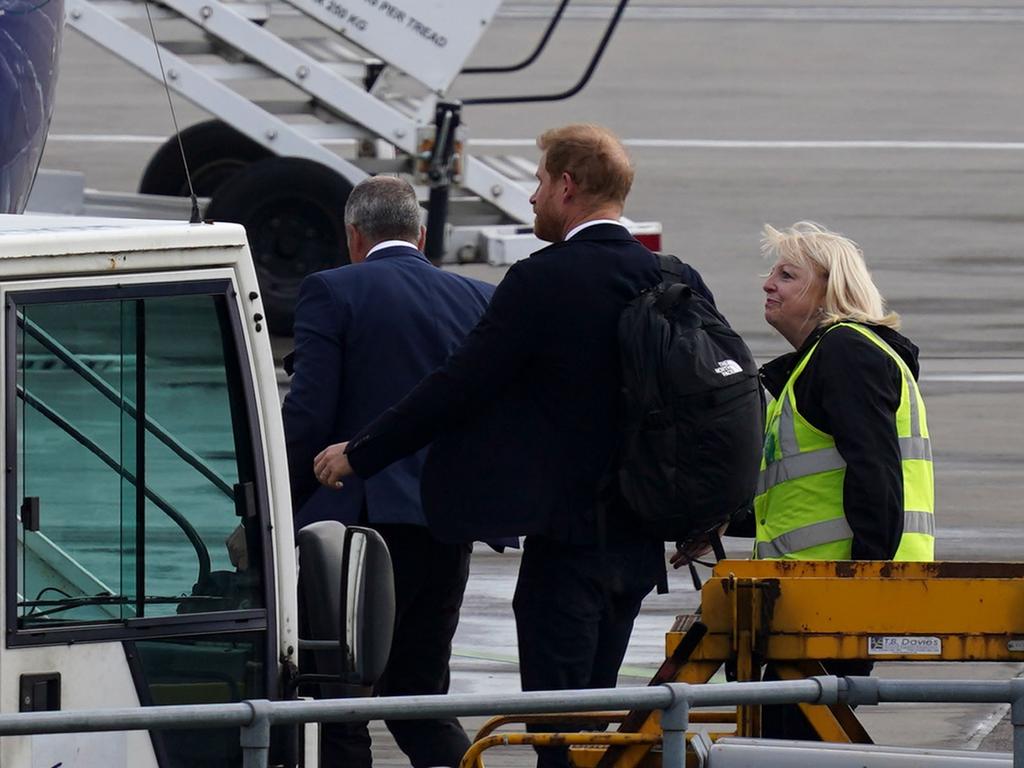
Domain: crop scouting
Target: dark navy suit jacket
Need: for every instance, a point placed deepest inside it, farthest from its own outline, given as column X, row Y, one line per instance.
column 523, row 415
column 365, row 334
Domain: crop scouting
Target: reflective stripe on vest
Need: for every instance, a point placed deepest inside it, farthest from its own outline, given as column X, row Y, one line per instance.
column 829, row 531
column 815, row 476
column 824, row 459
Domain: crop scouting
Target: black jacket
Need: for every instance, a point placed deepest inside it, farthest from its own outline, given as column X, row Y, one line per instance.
column 524, row 414
column 850, row 389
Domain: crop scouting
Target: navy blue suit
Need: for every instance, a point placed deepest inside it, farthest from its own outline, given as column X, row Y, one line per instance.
column 524, row 420
column 365, row 334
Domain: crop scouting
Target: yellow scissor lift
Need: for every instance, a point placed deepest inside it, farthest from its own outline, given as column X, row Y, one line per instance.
column 791, row 615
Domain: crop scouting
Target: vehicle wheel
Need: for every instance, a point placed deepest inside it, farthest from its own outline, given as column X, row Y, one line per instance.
column 215, row 153
column 293, row 212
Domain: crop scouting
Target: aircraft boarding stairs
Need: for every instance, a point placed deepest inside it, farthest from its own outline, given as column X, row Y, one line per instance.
column 356, row 85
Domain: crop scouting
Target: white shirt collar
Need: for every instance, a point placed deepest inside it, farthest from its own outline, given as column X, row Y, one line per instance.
column 580, row 227
column 390, row 244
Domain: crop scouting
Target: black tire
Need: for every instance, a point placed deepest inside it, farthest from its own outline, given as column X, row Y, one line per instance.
column 293, row 213
column 215, row 153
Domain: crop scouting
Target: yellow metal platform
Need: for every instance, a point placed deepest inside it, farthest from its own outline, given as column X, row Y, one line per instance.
column 794, row 615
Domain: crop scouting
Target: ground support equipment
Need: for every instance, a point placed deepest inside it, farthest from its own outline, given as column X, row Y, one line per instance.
column 793, row 615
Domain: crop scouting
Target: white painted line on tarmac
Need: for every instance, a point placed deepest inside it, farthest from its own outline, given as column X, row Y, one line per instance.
column 131, row 138
column 105, row 138
column 958, row 532
column 826, row 144
column 781, row 144
column 776, row 13
column 779, row 13
column 986, row 726
column 985, row 378
column 1016, row 146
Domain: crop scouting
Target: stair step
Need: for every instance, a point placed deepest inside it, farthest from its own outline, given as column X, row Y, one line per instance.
column 331, row 132
column 227, row 71
column 330, row 50
column 517, row 169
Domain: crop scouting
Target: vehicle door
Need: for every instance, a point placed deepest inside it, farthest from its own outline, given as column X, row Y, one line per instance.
column 137, row 558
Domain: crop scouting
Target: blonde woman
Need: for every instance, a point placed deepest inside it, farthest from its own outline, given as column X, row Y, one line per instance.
column 847, row 471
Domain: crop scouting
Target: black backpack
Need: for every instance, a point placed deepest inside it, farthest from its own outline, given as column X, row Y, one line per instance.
column 692, row 413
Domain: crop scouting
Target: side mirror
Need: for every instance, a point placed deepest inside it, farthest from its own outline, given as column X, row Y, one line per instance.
column 348, row 590
column 368, row 605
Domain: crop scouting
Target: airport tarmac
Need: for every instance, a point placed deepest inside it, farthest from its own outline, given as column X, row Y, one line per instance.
column 897, row 124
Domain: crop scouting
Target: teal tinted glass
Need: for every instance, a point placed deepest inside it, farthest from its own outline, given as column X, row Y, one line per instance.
column 71, row 460
column 133, row 444
column 191, row 394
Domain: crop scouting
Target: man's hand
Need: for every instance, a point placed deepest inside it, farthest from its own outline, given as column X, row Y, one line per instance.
column 695, row 548
column 331, row 464
column 688, row 551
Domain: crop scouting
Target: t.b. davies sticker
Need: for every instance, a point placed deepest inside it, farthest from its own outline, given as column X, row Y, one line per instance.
column 896, row 645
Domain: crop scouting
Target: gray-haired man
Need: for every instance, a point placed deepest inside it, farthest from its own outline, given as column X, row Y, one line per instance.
column 365, row 334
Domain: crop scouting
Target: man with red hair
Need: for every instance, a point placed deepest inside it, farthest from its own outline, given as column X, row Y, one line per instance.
column 525, row 419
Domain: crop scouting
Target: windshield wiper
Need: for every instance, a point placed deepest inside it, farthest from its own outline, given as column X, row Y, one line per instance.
column 104, row 598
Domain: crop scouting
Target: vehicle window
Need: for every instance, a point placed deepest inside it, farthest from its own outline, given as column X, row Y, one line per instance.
column 134, row 463
column 208, row 670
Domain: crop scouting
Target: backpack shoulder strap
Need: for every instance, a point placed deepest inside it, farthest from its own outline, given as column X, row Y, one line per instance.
column 671, row 268
column 671, row 296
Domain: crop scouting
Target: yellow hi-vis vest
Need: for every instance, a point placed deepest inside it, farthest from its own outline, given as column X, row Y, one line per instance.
column 799, row 501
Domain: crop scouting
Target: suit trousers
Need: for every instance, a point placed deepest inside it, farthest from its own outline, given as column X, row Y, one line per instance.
column 430, row 579
column 574, row 609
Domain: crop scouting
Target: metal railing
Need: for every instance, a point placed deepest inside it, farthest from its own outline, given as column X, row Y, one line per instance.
column 255, row 717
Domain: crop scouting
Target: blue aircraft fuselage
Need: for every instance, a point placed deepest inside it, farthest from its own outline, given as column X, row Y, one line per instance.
column 30, row 38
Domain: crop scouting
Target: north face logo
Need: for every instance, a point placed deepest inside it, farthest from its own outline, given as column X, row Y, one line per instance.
column 728, row 368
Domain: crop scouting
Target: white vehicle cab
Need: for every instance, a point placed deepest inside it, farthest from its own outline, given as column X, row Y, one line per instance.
column 148, row 546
